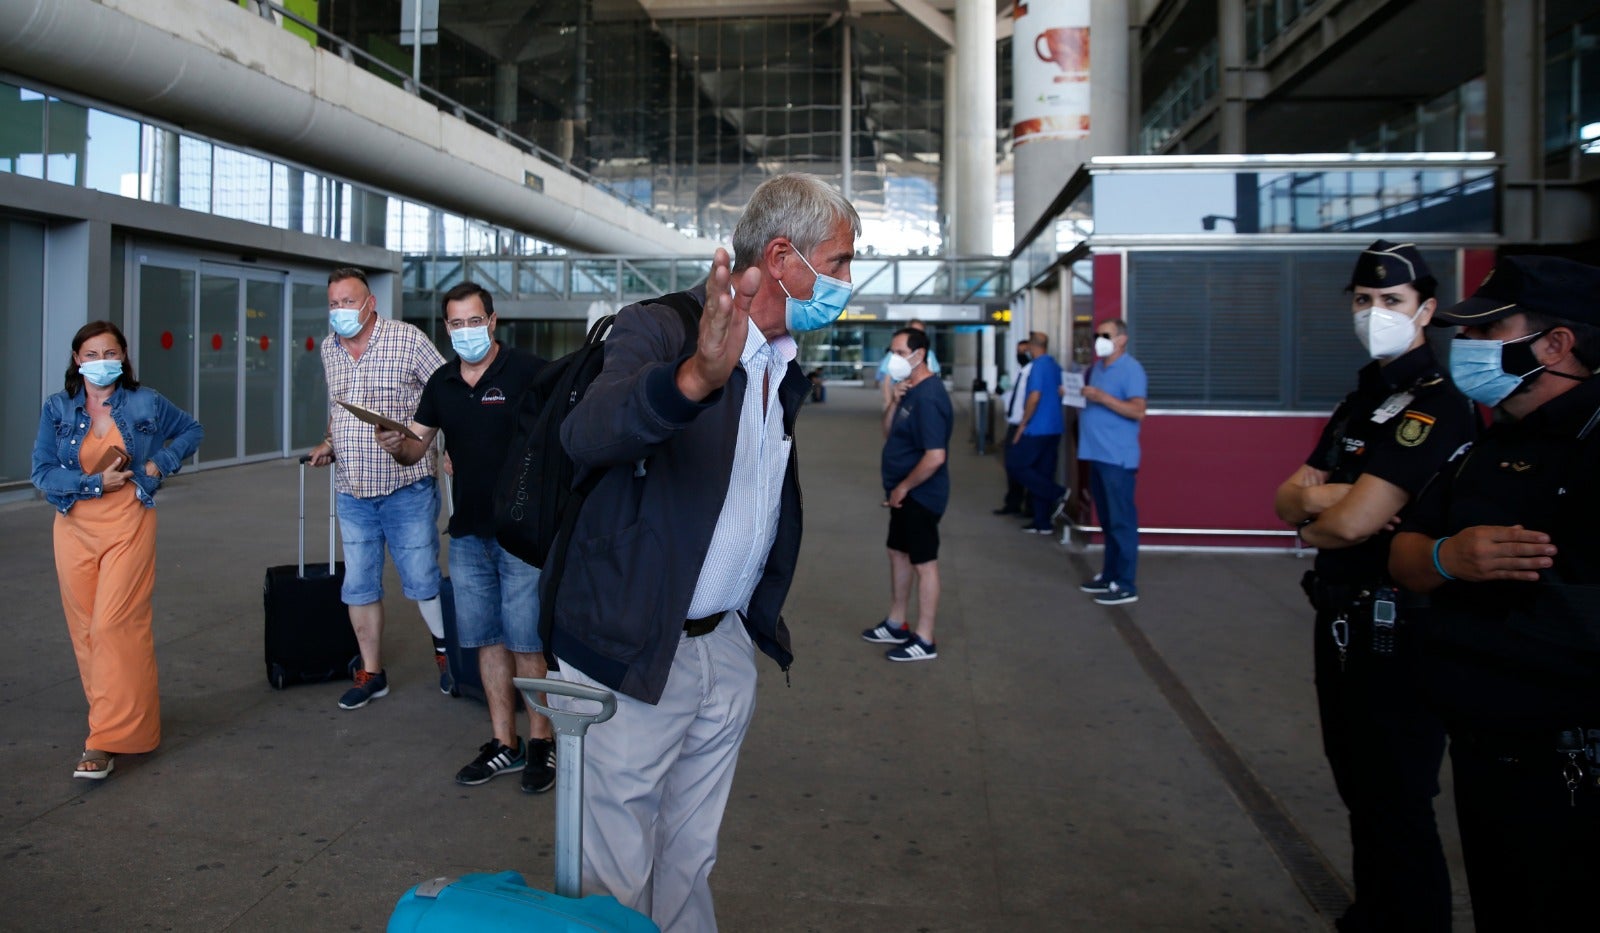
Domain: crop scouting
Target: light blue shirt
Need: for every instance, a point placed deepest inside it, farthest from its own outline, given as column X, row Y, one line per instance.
column 1103, row 435
column 748, row 522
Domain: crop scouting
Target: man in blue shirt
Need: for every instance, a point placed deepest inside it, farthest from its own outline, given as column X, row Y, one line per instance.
column 1036, row 440
column 1108, row 439
column 916, row 485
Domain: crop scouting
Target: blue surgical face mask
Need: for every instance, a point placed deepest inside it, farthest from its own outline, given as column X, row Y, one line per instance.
column 346, row 322
column 471, row 343
column 828, row 298
column 101, row 372
column 1488, row 371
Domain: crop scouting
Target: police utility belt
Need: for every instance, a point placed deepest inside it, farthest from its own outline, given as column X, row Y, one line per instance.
column 1376, row 609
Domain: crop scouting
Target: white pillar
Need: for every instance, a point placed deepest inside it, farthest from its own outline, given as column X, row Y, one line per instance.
column 1043, row 167
column 1230, row 68
column 976, row 114
column 952, row 118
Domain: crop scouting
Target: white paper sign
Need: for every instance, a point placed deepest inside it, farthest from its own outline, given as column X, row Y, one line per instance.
column 1073, row 384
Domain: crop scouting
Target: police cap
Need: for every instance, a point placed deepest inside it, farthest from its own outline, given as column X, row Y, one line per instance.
column 1384, row 264
column 1548, row 285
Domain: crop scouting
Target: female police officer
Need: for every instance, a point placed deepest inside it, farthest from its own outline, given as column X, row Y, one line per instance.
column 1384, row 443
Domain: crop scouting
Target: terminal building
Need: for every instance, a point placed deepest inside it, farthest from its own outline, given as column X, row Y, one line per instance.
column 1204, row 169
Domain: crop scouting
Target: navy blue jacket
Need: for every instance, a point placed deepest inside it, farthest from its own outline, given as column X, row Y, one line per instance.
column 636, row 551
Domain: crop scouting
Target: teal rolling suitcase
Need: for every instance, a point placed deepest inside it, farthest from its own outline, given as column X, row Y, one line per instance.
column 491, row 903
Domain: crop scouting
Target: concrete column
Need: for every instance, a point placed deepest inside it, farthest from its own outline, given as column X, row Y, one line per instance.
column 1231, row 68
column 505, row 93
column 1514, row 81
column 976, row 113
column 947, row 174
column 77, row 285
column 1044, row 167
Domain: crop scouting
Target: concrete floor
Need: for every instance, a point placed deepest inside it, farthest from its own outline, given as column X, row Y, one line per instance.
column 1061, row 766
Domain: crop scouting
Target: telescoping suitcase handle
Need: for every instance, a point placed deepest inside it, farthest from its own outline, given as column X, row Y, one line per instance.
column 302, row 563
column 569, row 727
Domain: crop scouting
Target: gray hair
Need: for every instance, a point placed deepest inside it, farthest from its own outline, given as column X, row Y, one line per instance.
column 803, row 208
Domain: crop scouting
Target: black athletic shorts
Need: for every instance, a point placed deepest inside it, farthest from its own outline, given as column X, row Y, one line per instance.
column 914, row 530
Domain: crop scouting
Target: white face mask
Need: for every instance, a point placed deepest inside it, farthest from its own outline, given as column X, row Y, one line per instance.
column 1104, row 347
column 898, row 367
column 1386, row 334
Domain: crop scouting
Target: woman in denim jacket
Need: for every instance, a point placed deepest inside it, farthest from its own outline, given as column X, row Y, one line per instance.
column 105, row 532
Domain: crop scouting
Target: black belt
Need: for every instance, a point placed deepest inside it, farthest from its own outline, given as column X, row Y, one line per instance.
column 1335, row 597
column 694, row 628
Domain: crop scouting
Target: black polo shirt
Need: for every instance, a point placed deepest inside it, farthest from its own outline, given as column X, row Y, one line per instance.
column 1401, row 424
column 477, row 422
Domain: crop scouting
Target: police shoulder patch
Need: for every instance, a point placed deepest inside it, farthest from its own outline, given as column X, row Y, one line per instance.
column 1413, row 428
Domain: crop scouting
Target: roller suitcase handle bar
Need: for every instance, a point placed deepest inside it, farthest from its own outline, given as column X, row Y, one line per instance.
column 569, row 727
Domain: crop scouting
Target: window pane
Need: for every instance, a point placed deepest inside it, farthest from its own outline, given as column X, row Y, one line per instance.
column 21, row 131
column 113, row 154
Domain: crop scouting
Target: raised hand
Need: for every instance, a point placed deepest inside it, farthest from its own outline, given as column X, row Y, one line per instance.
column 724, row 325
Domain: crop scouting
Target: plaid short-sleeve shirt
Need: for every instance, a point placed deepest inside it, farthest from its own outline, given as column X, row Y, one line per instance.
column 388, row 379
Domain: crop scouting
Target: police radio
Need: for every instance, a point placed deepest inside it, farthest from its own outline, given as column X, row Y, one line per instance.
column 1383, row 619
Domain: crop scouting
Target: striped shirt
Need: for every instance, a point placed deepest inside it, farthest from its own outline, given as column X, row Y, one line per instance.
column 748, row 523
column 388, row 379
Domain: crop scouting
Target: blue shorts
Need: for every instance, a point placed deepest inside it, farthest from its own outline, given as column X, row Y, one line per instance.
column 497, row 596
column 408, row 521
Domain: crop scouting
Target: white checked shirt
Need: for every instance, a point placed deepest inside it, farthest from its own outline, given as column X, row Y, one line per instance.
column 749, row 519
column 388, row 379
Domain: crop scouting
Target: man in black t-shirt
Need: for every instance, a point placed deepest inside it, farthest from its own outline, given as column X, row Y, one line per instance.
column 1378, row 452
column 473, row 399
column 916, row 482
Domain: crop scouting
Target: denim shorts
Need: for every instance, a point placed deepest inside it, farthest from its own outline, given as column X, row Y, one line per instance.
column 408, row 521
column 497, row 596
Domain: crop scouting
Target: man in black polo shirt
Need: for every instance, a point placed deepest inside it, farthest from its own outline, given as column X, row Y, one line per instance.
column 472, row 398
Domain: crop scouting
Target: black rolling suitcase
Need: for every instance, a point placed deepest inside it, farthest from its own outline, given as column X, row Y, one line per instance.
column 309, row 638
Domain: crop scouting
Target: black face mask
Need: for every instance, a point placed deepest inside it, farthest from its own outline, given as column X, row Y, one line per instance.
column 1023, row 359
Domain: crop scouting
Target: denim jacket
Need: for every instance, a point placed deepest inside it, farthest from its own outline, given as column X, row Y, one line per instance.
column 148, row 423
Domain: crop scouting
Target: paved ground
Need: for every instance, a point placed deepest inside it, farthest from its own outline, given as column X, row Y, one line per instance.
column 1060, row 766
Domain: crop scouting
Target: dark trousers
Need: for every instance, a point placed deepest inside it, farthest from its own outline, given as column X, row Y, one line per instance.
column 1532, row 849
column 1112, row 489
column 1016, row 496
column 1032, row 460
column 1384, row 747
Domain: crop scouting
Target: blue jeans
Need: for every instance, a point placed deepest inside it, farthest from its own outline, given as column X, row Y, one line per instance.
column 408, row 521
column 1031, row 461
column 1112, row 489
column 497, row 596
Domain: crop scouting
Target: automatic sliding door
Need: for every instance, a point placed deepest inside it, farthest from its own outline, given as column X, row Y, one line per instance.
column 263, row 350
column 219, row 364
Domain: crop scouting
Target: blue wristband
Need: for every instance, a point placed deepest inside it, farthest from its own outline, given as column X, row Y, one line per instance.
column 1436, row 565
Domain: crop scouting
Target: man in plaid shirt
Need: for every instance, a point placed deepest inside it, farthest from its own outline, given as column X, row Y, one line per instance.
column 380, row 365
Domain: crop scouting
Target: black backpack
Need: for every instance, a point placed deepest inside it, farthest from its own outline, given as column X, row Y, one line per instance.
column 535, row 497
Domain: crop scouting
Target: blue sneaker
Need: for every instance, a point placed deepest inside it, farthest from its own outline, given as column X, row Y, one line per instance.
column 447, row 684
column 914, row 650
column 369, row 687
column 1117, row 595
column 883, row 634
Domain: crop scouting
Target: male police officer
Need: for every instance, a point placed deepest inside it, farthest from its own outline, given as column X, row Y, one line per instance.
column 1384, row 443
column 1505, row 541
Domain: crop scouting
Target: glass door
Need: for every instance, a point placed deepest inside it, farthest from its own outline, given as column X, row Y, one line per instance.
column 262, row 365
column 218, row 363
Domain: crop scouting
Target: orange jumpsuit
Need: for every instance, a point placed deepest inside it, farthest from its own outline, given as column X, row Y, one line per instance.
column 106, row 566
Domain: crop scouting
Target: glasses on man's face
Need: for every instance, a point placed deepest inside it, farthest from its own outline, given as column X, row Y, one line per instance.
column 460, row 322
column 345, row 304
column 1107, row 336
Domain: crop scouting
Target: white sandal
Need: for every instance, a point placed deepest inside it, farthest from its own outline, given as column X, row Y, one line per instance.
column 103, row 762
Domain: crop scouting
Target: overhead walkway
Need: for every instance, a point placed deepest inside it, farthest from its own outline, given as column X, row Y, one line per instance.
column 1061, row 766
column 559, row 286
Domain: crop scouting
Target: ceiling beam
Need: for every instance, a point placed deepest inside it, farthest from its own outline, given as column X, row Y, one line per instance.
column 942, row 26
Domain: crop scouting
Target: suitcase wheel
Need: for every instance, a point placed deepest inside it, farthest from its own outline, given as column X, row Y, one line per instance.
column 276, row 676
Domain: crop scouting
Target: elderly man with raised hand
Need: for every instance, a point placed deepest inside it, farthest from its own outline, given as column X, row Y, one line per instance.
column 683, row 554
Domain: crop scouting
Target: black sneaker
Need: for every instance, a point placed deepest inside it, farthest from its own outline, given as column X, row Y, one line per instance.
column 884, row 634
column 1118, row 595
column 369, row 687
column 539, row 774
column 1095, row 586
column 914, row 650
column 494, row 759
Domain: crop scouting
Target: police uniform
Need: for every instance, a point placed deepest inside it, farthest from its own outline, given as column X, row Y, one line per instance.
column 1514, row 668
column 1401, row 424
